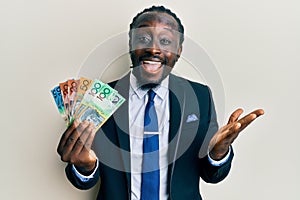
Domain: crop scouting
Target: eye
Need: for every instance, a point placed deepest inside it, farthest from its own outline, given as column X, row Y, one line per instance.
column 165, row 41
column 143, row 39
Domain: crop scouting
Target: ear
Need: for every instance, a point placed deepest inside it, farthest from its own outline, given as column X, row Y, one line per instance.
column 179, row 52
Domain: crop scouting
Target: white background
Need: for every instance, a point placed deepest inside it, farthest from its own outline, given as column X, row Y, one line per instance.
column 254, row 44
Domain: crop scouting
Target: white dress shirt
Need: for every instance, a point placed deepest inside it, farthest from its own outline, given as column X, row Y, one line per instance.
column 137, row 101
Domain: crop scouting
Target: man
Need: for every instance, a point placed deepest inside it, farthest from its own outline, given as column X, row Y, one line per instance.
column 186, row 144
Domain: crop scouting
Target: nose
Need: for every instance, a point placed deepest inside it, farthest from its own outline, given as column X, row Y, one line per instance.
column 154, row 48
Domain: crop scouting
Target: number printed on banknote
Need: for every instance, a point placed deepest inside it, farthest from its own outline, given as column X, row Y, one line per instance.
column 72, row 86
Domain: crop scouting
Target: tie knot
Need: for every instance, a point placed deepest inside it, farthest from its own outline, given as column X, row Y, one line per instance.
column 151, row 95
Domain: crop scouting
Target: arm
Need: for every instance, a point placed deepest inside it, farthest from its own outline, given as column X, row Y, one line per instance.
column 218, row 142
column 212, row 170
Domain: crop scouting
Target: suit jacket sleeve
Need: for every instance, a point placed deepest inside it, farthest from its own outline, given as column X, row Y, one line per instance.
column 78, row 183
column 214, row 174
column 210, row 173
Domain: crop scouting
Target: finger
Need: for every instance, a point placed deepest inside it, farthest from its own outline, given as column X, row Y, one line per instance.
column 80, row 143
column 65, row 136
column 90, row 140
column 228, row 133
column 242, row 124
column 71, row 141
column 259, row 112
column 232, row 131
column 93, row 154
column 220, row 135
column 235, row 115
column 248, row 119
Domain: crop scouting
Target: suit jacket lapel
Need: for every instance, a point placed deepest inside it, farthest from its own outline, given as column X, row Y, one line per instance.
column 176, row 97
column 122, row 126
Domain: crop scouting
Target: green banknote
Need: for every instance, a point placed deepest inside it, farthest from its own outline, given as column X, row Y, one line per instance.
column 89, row 94
column 105, row 101
column 109, row 102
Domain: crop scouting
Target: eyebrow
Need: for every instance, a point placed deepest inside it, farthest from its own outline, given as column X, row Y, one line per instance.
column 168, row 29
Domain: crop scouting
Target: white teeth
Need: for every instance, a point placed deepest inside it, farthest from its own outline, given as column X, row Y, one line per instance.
column 151, row 62
column 151, row 66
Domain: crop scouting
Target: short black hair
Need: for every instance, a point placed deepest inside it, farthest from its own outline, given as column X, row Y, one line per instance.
column 160, row 9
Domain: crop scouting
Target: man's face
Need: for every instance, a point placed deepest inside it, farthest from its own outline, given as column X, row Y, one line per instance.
column 155, row 47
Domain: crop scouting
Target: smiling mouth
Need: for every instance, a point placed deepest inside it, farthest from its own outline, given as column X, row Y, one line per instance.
column 151, row 66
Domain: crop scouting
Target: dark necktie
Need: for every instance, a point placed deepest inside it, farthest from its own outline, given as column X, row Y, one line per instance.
column 150, row 166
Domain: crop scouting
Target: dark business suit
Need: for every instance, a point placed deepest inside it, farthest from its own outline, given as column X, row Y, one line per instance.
column 186, row 139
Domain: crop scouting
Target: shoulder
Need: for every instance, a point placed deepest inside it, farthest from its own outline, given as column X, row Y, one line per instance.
column 121, row 83
column 198, row 88
column 113, row 83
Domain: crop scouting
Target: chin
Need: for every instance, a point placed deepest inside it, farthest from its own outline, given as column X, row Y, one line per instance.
column 145, row 79
column 148, row 83
column 149, row 86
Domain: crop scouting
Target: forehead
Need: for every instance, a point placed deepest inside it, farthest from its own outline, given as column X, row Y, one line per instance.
column 152, row 19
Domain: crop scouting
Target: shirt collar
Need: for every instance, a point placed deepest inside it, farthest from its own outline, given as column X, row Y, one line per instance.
column 161, row 90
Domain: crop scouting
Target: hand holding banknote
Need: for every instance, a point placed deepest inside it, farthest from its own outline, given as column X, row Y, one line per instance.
column 75, row 146
column 85, row 105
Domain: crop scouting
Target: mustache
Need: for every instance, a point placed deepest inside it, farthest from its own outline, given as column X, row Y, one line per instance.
column 149, row 57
